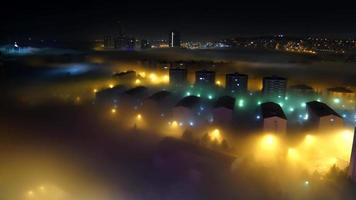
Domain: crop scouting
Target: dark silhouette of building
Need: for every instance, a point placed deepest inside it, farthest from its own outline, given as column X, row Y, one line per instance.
column 178, row 76
column 205, row 78
column 145, row 44
column 109, row 42
column 174, row 39
column 274, row 86
column 321, row 116
column 236, row 83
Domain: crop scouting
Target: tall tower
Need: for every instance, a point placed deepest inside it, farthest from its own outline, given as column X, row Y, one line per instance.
column 352, row 166
column 174, row 39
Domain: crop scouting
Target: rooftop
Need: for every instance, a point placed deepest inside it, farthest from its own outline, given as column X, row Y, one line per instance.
column 226, row 102
column 340, row 89
column 189, row 101
column 270, row 109
column 158, row 96
column 321, row 109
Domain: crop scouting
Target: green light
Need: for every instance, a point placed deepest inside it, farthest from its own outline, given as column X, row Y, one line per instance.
column 303, row 104
column 198, row 94
column 241, row 103
column 319, row 100
column 281, row 104
column 285, row 98
column 210, row 96
column 188, row 93
column 259, row 102
column 291, row 109
column 336, row 100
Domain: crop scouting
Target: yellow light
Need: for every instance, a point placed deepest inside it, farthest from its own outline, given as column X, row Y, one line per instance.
column 347, row 135
column 113, row 110
column 215, row 135
column 293, row 154
column 30, row 193
column 42, row 188
column 142, row 74
column 138, row 81
column 166, row 78
column 139, row 117
column 111, row 85
column 95, row 90
column 309, row 139
column 218, row 83
column 269, row 140
column 174, row 124
column 153, row 77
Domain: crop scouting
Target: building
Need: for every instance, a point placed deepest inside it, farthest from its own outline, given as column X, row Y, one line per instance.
column 133, row 98
column 109, row 42
column 352, row 166
column 124, row 43
column 145, row 44
column 274, row 86
column 109, row 95
column 301, row 89
column 178, row 76
column 205, row 78
column 174, row 39
column 127, row 77
column 159, row 103
column 236, row 83
column 223, row 109
column 274, row 119
column 185, row 109
column 321, row 116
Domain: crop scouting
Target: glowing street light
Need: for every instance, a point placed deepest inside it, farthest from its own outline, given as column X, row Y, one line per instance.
column 137, row 81
column 138, row 116
column 215, row 135
column 336, row 100
column 113, row 110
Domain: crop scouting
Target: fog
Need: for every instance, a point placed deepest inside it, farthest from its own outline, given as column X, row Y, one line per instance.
column 58, row 143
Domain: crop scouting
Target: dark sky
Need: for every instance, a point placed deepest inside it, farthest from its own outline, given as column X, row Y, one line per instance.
column 197, row 20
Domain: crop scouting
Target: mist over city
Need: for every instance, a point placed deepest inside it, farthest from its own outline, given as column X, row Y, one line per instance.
column 182, row 100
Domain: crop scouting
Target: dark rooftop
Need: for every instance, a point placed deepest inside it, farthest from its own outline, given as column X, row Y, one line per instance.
column 321, row 109
column 236, row 74
column 136, row 91
column 271, row 109
column 301, row 87
column 226, row 102
column 340, row 89
column 189, row 101
column 274, row 78
column 158, row 96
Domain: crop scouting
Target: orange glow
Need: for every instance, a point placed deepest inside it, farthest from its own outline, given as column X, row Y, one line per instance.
column 138, row 116
column 215, row 135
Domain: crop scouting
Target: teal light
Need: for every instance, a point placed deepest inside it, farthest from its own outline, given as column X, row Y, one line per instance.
column 210, row 96
column 303, row 104
column 286, row 98
column 259, row 102
column 188, row 93
column 198, row 94
column 291, row 109
column 241, row 103
column 336, row 100
column 281, row 104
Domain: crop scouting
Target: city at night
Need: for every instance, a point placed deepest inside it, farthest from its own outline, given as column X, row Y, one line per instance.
column 180, row 100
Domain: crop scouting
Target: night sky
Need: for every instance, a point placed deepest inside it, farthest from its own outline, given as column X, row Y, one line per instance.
column 198, row 20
